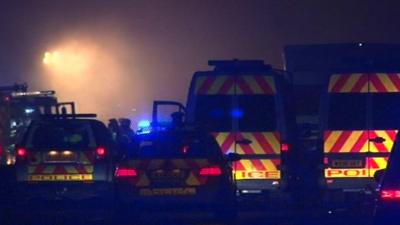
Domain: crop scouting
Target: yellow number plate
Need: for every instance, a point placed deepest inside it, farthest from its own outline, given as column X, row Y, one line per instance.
column 167, row 191
column 60, row 177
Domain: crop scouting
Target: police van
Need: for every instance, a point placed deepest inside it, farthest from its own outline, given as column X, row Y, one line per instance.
column 245, row 105
column 358, row 90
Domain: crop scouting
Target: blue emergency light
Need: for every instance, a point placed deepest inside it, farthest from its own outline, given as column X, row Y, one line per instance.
column 144, row 127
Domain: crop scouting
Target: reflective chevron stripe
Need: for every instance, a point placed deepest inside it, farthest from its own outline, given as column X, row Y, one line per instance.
column 226, row 85
column 363, row 83
column 357, row 141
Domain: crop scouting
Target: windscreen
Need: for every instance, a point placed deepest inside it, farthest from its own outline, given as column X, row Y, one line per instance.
column 214, row 112
column 60, row 135
column 174, row 145
column 256, row 113
column 385, row 111
column 347, row 112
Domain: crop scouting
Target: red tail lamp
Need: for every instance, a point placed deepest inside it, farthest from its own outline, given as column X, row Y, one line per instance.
column 125, row 172
column 211, row 171
column 390, row 195
column 21, row 152
column 101, row 151
column 284, row 147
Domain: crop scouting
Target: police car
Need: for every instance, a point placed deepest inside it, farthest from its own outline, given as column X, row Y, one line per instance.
column 388, row 204
column 65, row 164
column 176, row 171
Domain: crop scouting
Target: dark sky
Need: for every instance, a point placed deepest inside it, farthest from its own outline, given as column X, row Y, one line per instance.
column 156, row 46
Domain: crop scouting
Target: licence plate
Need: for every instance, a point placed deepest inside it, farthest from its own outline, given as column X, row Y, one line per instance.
column 167, row 174
column 347, row 163
column 167, row 191
column 60, row 177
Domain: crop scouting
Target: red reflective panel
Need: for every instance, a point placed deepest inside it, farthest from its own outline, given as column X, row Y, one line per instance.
column 390, row 194
column 125, row 172
column 211, row 171
column 284, row 147
column 100, row 151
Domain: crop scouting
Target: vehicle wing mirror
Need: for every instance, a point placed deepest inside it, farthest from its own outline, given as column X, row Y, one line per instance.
column 233, row 157
column 378, row 140
column 244, row 142
column 378, row 176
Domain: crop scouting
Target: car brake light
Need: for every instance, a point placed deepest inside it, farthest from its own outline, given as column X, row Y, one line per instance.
column 390, row 194
column 101, row 152
column 21, row 152
column 211, row 171
column 125, row 172
column 284, row 147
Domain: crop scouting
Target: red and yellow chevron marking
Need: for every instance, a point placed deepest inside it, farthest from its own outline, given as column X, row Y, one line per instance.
column 191, row 165
column 364, row 83
column 373, row 164
column 261, row 142
column 226, row 85
column 346, row 83
column 383, row 83
column 257, row 169
column 60, row 169
column 86, row 158
column 357, row 141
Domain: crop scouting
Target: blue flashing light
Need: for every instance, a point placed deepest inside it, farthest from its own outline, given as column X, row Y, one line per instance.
column 237, row 113
column 29, row 111
column 144, row 127
column 144, row 124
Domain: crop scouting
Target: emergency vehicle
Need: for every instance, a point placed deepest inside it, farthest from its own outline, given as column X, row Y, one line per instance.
column 18, row 107
column 356, row 89
column 175, row 169
column 245, row 105
column 65, row 163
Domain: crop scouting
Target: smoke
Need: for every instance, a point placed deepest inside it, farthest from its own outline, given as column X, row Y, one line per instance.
column 97, row 70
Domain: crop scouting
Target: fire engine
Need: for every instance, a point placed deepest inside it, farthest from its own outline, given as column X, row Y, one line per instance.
column 18, row 107
column 347, row 108
column 245, row 105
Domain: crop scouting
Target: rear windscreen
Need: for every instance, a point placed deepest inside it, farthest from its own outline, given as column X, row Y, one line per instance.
column 252, row 112
column 385, row 109
column 177, row 146
column 347, row 112
column 214, row 112
column 60, row 135
column 256, row 113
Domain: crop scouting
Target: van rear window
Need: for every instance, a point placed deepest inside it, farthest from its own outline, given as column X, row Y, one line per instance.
column 256, row 113
column 385, row 110
column 214, row 112
column 347, row 112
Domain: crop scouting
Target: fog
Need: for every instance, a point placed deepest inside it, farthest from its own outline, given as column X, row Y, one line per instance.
column 97, row 70
column 119, row 56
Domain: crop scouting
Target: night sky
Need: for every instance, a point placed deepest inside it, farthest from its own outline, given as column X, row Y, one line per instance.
column 145, row 50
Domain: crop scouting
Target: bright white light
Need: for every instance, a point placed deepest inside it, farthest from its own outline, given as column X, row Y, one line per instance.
column 29, row 111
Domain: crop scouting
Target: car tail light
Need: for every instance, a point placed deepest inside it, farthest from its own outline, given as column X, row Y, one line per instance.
column 21, row 152
column 125, row 172
column 1, row 151
column 284, row 147
column 211, row 171
column 390, row 195
column 101, row 152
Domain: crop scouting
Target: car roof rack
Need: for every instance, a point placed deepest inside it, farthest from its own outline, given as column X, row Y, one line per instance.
column 62, row 112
